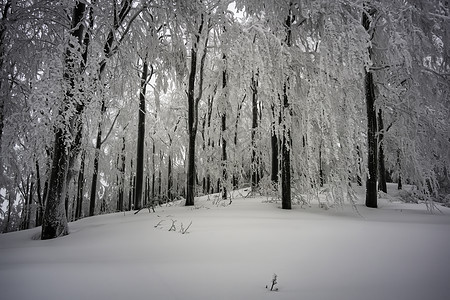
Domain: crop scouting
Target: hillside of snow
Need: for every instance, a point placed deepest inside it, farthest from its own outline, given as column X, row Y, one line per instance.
column 398, row 251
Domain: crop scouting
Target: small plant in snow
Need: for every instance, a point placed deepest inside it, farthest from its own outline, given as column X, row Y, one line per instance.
column 273, row 283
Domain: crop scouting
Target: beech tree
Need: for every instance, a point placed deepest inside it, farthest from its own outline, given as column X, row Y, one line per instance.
column 55, row 221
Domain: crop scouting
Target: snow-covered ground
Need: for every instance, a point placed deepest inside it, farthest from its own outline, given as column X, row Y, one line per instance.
column 398, row 251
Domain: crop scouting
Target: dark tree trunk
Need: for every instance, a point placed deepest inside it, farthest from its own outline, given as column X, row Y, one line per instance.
column 358, row 176
column 55, row 220
column 193, row 112
column 153, row 170
column 255, row 158
column 133, row 191
column 371, row 184
column 80, row 188
column 98, row 146
column 236, row 170
column 223, row 129
column 382, row 186
column 30, row 202
column 399, row 185
column 130, row 190
column 161, row 157
column 141, row 138
column 190, row 185
column 224, row 157
column 321, row 178
column 274, row 145
column 66, row 200
column 25, row 216
column 286, row 202
column 169, row 178
column 210, row 144
column 8, row 215
column 40, row 202
column 120, row 204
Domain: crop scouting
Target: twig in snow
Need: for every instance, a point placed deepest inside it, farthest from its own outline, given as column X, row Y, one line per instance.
column 159, row 223
column 184, row 231
column 274, row 282
column 173, row 228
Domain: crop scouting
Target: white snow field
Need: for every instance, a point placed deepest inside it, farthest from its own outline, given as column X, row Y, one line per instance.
column 398, row 251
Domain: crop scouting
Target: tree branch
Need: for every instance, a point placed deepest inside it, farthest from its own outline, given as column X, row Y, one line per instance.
column 110, row 129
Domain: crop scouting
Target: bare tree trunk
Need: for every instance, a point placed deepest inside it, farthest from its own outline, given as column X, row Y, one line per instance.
column 161, row 157
column 223, row 129
column 153, row 170
column 321, row 178
column 236, row 170
column 141, row 136
column 120, row 203
column 25, row 216
column 130, row 190
column 382, row 186
column 286, row 202
column 98, row 146
column 8, row 215
column 224, row 157
column 40, row 202
column 169, row 178
column 193, row 110
column 274, row 144
column 399, row 167
column 255, row 159
column 371, row 184
column 80, row 187
column 358, row 176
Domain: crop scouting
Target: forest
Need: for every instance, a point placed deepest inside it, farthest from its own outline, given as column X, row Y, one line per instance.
column 118, row 105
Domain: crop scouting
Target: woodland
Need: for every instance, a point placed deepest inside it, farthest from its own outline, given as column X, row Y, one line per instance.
column 118, row 105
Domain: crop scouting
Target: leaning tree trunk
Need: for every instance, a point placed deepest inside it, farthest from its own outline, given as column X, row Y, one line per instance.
column 55, row 220
column 371, row 184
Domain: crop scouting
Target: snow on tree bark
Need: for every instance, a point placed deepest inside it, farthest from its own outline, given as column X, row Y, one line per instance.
column 55, row 219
